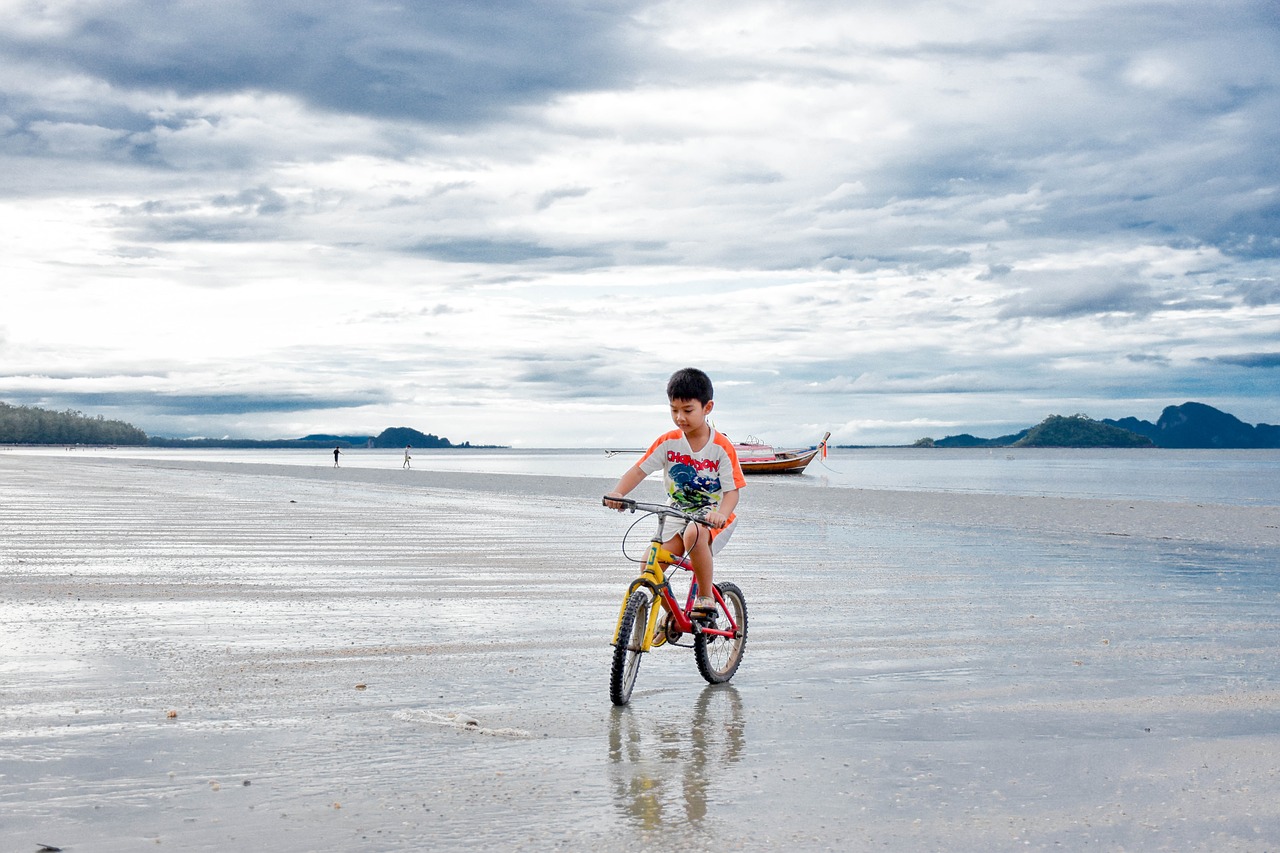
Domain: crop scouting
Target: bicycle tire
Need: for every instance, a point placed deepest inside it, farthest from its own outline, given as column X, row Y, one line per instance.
column 718, row 657
column 626, row 652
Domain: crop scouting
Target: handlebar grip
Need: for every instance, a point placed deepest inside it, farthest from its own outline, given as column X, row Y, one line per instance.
column 629, row 503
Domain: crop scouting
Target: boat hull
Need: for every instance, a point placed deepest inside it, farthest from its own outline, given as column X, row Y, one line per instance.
column 761, row 458
column 789, row 464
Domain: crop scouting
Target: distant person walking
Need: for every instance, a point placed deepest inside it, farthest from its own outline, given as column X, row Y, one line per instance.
column 336, row 451
column 407, row 457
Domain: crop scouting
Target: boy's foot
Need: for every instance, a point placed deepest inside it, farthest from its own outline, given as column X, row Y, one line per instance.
column 704, row 605
column 659, row 636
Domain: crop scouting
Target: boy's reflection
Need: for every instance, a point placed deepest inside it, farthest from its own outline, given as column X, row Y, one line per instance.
column 649, row 754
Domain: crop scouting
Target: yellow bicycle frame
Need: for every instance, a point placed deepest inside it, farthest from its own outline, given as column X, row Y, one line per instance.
column 652, row 577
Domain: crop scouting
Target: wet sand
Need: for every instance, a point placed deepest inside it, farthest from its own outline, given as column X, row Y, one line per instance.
column 211, row 656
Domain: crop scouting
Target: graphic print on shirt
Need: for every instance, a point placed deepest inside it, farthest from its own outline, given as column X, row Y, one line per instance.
column 691, row 489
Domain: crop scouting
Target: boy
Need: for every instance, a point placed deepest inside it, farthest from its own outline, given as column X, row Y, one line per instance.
column 699, row 468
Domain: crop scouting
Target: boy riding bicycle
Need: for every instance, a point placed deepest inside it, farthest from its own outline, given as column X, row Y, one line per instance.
column 699, row 469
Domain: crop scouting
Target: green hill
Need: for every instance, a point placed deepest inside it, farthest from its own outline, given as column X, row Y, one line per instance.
column 967, row 440
column 28, row 425
column 391, row 437
column 400, row 436
column 1080, row 431
column 1191, row 425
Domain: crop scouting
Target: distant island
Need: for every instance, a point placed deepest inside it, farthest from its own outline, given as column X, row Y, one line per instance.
column 1189, row 426
column 391, row 437
column 31, row 425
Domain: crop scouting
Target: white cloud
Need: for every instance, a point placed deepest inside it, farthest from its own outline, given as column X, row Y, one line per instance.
column 868, row 217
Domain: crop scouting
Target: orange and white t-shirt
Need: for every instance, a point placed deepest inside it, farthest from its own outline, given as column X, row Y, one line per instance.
column 694, row 480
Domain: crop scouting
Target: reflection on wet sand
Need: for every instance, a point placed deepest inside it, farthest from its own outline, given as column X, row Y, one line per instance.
column 974, row 672
column 648, row 754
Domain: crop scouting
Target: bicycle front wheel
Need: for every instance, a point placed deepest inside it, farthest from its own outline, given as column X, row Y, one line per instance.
column 718, row 657
column 627, row 650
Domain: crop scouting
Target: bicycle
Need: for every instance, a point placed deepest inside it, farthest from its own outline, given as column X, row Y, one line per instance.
column 717, row 649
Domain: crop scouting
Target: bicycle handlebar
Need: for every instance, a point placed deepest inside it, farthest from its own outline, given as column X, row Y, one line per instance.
column 698, row 517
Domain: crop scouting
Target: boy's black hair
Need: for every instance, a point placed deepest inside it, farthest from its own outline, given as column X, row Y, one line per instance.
column 690, row 383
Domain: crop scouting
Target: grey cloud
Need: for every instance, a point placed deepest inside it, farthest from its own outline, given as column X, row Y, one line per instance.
column 260, row 201
column 427, row 311
column 1168, row 168
column 552, row 196
column 1252, row 359
column 1169, row 159
column 198, row 229
column 486, row 251
column 1147, row 358
column 577, row 375
column 196, row 404
column 995, row 271
column 754, row 176
column 482, row 251
column 248, row 215
column 448, row 61
column 1258, row 293
column 914, row 260
column 1251, row 233
column 1064, row 298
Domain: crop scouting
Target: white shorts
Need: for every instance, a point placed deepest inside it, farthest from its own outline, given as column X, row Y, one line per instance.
column 719, row 536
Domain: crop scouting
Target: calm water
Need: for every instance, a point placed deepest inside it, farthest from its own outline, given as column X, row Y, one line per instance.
column 1243, row 477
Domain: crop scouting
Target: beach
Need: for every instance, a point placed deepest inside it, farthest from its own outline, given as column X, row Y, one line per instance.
column 212, row 656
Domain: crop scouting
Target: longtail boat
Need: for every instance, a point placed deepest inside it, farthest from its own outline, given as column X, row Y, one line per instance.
column 756, row 457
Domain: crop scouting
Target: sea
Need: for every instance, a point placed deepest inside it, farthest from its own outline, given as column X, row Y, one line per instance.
column 1234, row 477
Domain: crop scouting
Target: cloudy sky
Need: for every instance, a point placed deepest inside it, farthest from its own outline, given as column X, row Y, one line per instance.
column 508, row 222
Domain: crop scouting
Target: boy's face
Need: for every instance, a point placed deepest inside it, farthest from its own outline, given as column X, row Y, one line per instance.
column 690, row 416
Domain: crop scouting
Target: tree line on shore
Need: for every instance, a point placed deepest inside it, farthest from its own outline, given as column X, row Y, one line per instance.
column 31, row 425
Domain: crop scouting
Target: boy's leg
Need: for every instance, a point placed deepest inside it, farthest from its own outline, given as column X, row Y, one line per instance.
column 676, row 546
column 698, row 548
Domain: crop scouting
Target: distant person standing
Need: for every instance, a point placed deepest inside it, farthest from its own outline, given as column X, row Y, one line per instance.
column 336, row 451
column 407, row 457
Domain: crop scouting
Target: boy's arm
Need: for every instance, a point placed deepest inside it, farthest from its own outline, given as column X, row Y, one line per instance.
column 720, row 515
column 629, row 481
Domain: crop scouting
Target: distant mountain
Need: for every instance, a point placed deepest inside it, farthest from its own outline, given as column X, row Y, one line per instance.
column 966, row 440
column 1191, row 425
column 1080, row 431
column 1196, row 425
column 336, row 440
column 404, row 436
column 391, row 437
column 252, row 443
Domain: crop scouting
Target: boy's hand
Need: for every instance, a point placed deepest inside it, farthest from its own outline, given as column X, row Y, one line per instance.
column 717, row 519
column 609, row 501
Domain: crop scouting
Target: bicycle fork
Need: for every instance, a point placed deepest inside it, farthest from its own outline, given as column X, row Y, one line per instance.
column 652, row 579
column 655, row 611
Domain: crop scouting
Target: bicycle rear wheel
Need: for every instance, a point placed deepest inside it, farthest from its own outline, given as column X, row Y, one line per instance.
column 718, row 657
column 626, row 652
